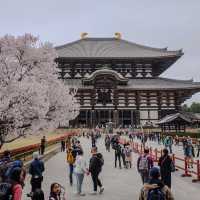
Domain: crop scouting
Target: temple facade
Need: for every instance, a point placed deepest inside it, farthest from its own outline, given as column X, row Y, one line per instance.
column 119, row 81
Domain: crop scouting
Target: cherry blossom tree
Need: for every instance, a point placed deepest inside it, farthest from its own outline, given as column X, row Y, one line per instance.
column 32, row 97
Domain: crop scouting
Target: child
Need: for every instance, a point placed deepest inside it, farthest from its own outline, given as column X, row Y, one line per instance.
column 128, row 156
column 56, row 191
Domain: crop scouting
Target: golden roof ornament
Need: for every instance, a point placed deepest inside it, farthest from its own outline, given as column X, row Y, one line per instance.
column 118, row 35
column 83, row 35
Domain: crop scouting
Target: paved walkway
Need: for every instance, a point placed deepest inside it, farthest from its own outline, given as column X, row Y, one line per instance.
column 120, row 184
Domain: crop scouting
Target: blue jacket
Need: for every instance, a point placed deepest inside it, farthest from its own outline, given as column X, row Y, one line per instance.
column 36, row 168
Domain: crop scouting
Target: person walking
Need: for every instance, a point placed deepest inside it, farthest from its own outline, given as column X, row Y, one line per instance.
column 71, row 157
column 128, row 156
column 42, row 145
column 155, row 189
column 123, row 155
column 62, row 145
column 95, row 167
column 168, row 142
column 80, row 170
column 144, row 164
column 166, row 163
column 118, row 153
column 36, row 170
column 107, row 143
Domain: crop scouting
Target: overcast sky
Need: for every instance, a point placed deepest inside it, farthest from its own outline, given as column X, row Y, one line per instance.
column 158, row 23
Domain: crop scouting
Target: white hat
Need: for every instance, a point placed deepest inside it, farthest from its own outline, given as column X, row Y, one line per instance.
column 35, row 155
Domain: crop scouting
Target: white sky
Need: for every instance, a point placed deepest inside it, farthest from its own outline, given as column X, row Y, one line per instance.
column 173, row 23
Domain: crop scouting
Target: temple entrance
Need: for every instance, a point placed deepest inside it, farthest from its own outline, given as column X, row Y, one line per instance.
column 103, row 116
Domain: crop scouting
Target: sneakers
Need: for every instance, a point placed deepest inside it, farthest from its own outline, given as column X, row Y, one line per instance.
column 101, row 190
column 82, row 194
column 94, row 193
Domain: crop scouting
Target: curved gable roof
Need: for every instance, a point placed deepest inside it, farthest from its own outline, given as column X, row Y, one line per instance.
column 111, row 48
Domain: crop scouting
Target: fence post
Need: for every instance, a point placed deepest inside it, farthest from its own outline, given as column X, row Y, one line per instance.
column 198, row 172
column 174, row 161
column 186, row 174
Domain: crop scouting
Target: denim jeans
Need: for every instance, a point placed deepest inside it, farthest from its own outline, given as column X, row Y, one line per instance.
column 79, row 178
column 71, row 169
column 145, row 176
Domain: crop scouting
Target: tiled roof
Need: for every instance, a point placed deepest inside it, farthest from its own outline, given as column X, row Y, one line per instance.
column 147, row 84
column 111, row 48
column 172, row 117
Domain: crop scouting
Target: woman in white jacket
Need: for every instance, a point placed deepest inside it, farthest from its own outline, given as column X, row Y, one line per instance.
column 80, row 170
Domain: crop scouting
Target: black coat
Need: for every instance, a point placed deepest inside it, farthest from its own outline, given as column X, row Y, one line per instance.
column 96, row 163
column 165, row 169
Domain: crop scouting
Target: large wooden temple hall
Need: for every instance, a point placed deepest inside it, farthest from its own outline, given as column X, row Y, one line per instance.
column 119, row 81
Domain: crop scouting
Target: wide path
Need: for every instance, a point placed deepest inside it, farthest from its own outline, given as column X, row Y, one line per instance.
column 119, row 184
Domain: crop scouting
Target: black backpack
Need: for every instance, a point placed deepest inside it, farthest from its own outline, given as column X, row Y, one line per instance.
column 100, row 158
column 156, row 194
column 5, row 191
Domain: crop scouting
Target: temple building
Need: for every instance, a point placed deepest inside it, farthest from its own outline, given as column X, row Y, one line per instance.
column 119, row 81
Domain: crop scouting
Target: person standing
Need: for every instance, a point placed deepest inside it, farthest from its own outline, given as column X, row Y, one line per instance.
column 80, row 170
column 165, row 163
column 118, row 152
column 42, row 145
column 144, row 164
column 36, row 170
column 95, row 167
column 62, row 145
column 107, row 143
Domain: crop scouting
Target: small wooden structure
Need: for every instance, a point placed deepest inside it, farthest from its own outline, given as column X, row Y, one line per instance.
column 174, row 122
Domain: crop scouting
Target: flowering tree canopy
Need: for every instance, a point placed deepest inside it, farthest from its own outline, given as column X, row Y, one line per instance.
column 31, row 95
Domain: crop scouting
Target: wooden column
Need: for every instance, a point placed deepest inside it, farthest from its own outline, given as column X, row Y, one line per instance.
column 116, row 118
column 86, row 113
column 132, row 118
column 137, row 107
column 92, row 118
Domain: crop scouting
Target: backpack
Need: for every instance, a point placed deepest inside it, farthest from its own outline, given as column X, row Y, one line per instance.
column 7, row 167
column 5, row 191
column 100, row 158
column 12, row 166
column 144, row 163
column 156, row 194
column 127, row 152
column 70, row 158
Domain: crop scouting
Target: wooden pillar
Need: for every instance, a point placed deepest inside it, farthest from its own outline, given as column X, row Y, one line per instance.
column 109, row 115
column 116, row 118
column 98, row 117
column 137, row 101
column 86, row 118
column 132, row 118
column 92, row 118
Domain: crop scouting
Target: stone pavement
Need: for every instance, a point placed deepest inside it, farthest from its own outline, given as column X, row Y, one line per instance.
column 119, row 184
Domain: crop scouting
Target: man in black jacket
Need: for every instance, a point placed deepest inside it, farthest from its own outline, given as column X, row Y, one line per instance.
column 96, row 163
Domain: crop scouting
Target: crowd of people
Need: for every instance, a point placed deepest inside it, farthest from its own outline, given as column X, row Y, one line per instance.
column 156, row 178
